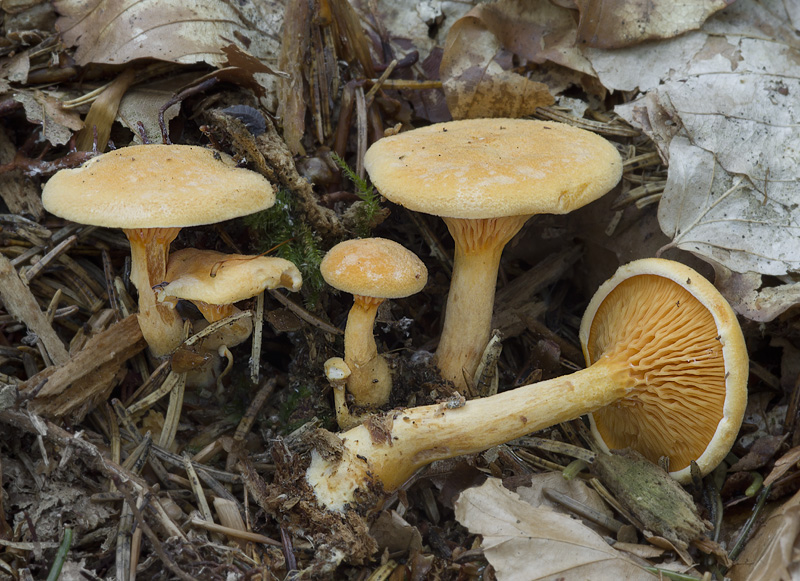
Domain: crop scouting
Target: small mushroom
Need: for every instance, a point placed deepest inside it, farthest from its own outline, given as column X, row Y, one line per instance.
column 667, row 363
column 151, row 192
column 372, row 270
column 214, row 281
column 485, row 178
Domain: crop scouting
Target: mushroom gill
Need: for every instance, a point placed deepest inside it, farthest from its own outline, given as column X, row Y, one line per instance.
column 675, row 364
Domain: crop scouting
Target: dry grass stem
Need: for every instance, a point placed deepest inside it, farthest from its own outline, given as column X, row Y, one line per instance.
column 235, row 533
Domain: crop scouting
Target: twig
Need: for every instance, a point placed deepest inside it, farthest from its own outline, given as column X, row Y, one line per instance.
column 19, row 302
column 304, row 314
column 258, row 332
column 194, row 482
column 234, row 533
column 123, row 487
column 173, row 412
column 247, row 421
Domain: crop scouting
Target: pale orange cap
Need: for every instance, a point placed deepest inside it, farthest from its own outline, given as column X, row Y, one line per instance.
column 374, row 267
column 491, row 168
column 222, row 279
column 157, row 186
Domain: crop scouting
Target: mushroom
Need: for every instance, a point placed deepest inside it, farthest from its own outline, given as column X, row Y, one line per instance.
column 372, row 270
column 214, row 281
column 485, row 178
column 151, row 192
column 666, row 353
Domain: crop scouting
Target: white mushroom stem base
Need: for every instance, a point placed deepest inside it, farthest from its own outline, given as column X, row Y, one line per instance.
column 401, row 442
column 370, row 381
column 468, row 318
column 161, row 326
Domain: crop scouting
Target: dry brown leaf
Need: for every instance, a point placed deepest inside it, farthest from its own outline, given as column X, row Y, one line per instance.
column 140, row 106
column 392, row 532
column 619, row 23
column 523, row 542
column 475, row 85
column 181, row 31
column 771, row 555
column 576, row 489
column 539, row 32
column 44, row 108
column 783, row 465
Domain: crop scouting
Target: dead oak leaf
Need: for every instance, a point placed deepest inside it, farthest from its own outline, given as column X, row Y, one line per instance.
column 529, row 543
column 475, row 85
column 618, row 23
column 184, row 31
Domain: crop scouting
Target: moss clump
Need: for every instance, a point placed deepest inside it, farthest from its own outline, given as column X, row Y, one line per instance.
column 280, row 230
column 369, row 210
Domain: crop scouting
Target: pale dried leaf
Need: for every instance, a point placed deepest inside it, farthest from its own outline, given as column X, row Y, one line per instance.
column 722, row 110
column 523, row 542
column 771, row 555
column 181, row 31
column 727, row 217
column 576, row 489
column 393, row 532
column 44, row 108
column 618, row 23
column 141, row 104
column 745, row 293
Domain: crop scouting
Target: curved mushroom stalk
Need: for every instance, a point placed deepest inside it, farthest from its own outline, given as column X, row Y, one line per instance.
column 665, row 350
column 388, row 451
column 161, row 325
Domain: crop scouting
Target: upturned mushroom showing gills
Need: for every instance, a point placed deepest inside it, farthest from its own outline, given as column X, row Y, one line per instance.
column 151, row 192
column 372, row 270
column 485, row 178
column 667, row 376
column 214, row 281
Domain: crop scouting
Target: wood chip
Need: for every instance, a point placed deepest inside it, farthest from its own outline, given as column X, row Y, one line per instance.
column 20, row 302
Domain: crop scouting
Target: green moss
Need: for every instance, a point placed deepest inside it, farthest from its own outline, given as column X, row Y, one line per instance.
column 370, row 209
column 281, row 230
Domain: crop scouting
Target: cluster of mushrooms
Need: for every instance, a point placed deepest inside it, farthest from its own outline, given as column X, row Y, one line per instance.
column 666, row 361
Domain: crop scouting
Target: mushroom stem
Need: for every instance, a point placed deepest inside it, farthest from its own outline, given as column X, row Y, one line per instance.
column 161, row 326
column 409, row 439
column 468, row 318
column 370, row 380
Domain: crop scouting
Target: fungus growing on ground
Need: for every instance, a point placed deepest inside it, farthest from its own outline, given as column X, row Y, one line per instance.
column 213, row 281
column 663, row 347
column 151, row 192
column 485, row 178
column 372, row 270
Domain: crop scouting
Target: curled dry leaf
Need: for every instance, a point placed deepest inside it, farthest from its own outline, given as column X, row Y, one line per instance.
column 744, row 291
column 44, row 108
column 540, row 33
column 528, row 543
column 619, row 23
column 119, row 31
